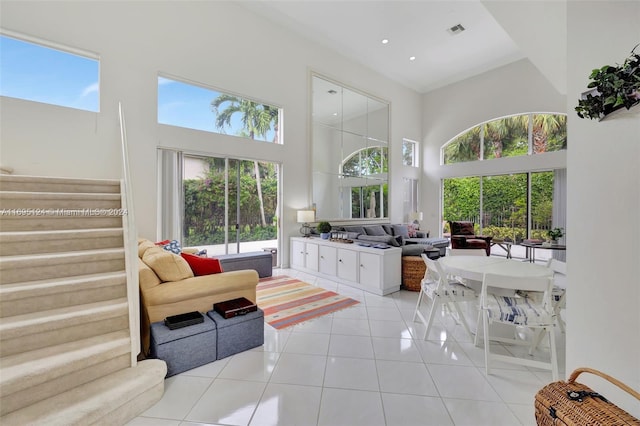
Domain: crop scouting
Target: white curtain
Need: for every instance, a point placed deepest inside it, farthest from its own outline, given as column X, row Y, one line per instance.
column 559, row 218
column 169, row 195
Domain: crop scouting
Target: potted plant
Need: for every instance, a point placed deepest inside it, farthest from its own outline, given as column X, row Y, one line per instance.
column 324, row 228
column 555, row 233
column 613, row 87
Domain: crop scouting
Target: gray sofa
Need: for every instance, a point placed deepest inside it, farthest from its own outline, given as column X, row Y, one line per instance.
column 396, row 235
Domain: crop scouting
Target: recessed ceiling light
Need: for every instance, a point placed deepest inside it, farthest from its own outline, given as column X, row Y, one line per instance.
column 412, row 58
column 456, row 29
column 335, row 114
column 385, row 41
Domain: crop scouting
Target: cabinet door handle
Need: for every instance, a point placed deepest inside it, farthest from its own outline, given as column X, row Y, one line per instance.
column 361, row 265
column 340, row 260
column 321, row 257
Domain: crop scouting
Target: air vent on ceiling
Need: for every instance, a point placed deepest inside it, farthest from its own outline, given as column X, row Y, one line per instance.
column 456, row 29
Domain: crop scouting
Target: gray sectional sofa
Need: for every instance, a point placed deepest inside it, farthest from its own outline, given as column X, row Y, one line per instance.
column 396, row 235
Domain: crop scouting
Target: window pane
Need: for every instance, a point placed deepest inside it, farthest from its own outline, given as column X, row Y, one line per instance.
column 461, row 200
column 504, row 204
column 506, row 137
column 409, row 153
column 465, row 147
column 194, row 107
column 37, row 73
column 549, row 132
column 541, row 204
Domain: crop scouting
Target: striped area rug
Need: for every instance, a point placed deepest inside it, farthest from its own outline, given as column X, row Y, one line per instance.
column 287, row 301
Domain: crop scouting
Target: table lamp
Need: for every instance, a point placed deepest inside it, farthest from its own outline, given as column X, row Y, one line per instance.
column 304, row 217
column 417, row 217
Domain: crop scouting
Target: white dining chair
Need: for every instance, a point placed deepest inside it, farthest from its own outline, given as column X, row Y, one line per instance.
column 441, row 291
column 559, row 291
column 466, row 252
column 534, row 313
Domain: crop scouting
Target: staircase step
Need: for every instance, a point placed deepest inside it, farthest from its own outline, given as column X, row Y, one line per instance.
column 35, row 242
column 74, row 219
column 22, row 268
column 41, row 202
column 113, row 399
column 57, row 184
column 29, row 377
column 43, row 295
column 36, row 330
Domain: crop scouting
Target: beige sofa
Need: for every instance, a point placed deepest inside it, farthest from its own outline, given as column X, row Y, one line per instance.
column 167, row 287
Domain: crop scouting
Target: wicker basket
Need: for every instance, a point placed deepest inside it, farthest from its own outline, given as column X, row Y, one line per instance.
column 413, row 269
column 574, row 404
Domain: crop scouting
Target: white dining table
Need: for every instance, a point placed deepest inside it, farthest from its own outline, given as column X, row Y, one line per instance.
column 474, row 267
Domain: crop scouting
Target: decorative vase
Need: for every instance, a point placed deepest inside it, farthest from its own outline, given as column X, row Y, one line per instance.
column 325, row 235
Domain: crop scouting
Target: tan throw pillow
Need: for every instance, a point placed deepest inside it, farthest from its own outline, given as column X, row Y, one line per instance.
column 143, row 246
column 166, row 265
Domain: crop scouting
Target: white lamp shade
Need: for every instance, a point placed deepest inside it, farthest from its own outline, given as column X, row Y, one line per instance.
column 306, row 216
column 416, row 215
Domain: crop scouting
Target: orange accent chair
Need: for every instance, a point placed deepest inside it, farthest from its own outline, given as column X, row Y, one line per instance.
column 463, row 237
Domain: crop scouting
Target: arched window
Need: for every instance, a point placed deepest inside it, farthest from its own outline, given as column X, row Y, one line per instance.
column 366, row 162
column 364, row 174
column 522, row 134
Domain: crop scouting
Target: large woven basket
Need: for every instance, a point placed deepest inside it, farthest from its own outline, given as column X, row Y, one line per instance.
column 573, row 404
column 413, row 269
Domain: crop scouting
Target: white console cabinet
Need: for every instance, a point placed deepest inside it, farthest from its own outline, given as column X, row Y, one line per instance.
column 377, row 271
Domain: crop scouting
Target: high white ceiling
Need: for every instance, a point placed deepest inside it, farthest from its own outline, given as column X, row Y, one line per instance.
column 355, row 28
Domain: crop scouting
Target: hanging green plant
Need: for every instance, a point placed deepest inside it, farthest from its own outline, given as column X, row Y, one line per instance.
column 613, row 88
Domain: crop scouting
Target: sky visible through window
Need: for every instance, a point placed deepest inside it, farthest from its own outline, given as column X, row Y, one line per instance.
column 37, row 73
column 187, row 105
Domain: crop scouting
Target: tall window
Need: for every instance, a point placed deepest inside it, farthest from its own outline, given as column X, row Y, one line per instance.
column 512, row 136
column 364, row 174
column 225, row 205
column 57, row 76
column 409, row 153
column 510, row 207
column 196, row 107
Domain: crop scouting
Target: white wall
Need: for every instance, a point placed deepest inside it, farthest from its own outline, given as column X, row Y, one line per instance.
column 220, row 44
column 603, row 173
column 515, row 88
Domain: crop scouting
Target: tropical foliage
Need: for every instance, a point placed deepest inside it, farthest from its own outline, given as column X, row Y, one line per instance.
column 504, row 204
column 508, row 137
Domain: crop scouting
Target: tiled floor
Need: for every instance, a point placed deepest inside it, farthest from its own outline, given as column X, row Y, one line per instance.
column 365, row 365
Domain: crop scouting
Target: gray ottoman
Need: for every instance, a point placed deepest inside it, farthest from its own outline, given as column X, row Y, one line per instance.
column 239, row 333
column 258, row 260
column 184, row 348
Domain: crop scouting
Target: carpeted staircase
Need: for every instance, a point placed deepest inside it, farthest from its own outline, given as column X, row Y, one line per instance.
column 68, row 324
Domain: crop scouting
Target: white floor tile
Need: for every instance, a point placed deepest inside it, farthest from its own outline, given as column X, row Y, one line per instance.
column 180, row 395
column 230, row 402
column 300, row 369
column 405, row 378
column 396, row 329
column 476, row 413
column 525, row 413
column 384, row 313
column 150, row 421
column 366, row 364
column 463, row 382
column 517, row 387
column 396, row 349
column 351, row 346
column 288, row 405
column 355, row 312
column 211, row 370
column 340, row 407
column 307, row 343
column 351, row 327
column 351, row 373
column 316, row 325
column 250, row 365
column 439, row 352
column 415, row 410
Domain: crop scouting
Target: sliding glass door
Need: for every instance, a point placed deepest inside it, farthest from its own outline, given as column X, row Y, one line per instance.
column 510, row 207
column 230, row 205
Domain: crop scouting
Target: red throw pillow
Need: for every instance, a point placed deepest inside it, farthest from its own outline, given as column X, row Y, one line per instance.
column 202, row 265
column 163, row 243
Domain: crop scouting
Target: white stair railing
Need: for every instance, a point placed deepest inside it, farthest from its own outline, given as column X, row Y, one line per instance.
column 130, row 242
